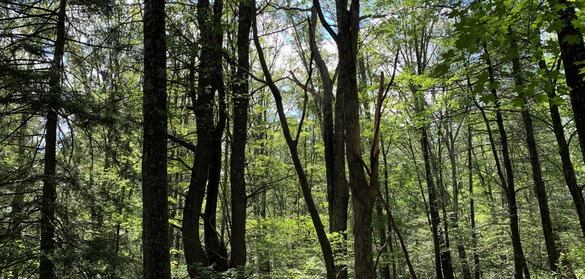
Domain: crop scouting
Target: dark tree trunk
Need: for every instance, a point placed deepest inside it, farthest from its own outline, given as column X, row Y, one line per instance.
column 49, row 192
column 433, row 203
column 573, row 54
column 207, row 161
column 362, row 192
column 520, row 265
column 564, row 152
column 384, row 242
column 211, row 79
column 241, row 99
column 539, row 187
column 334, row 142
column 155, row 226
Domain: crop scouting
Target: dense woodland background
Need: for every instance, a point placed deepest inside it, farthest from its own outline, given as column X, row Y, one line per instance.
column 292, row 139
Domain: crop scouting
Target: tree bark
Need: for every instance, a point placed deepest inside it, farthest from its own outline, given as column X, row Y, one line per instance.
column 155, row 226
column 573, row 54
column 241, row 99
column 334, row 142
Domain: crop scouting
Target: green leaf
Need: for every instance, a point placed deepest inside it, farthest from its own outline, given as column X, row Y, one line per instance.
column 541, row 98
column 488, row 98
column 518, row 101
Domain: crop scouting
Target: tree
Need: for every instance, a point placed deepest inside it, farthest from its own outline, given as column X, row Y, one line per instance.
column 49, row 197
column 155, row 226
column 246, row 12
column 572, row 53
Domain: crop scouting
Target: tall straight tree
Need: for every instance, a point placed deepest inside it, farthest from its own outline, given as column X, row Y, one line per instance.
column 49, row 195
column 155, row 224
column 246, row 11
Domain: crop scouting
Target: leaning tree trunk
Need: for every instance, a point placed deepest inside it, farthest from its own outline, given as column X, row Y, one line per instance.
column 155, row 213
column 293, row 148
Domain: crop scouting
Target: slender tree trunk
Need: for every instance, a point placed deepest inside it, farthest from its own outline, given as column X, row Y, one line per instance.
column 292, row 145
column 474, row 236
column 572, row 53
column 49, row 192
column 450, row 143
column 433, row 204
column 520, row 265
column 155, row 226
column 567, row 164
column 539, row 187
column 241, row 99
column 389, row 219
column 384, row 243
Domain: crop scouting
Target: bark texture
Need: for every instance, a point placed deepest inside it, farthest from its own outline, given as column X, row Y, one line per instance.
column 240, row 124
column 155, row 226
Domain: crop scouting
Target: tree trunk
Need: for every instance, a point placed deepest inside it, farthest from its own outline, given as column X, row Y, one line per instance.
column 241, row 99
column 334, row 142
column 539, row 187
column 474, row 236
column 520, row 265
column 573, row 54
column 155, row 226
column 49, row 192
column 567, row 164
column 292, row 145
column 384, row 243
column 205, row 170
column 433, row 203
column 450, row 143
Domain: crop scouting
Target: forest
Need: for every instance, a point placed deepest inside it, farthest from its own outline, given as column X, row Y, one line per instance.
column 292, row 139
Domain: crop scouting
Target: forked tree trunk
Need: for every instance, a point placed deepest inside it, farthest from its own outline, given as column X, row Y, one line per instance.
column 334, row 143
